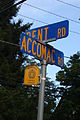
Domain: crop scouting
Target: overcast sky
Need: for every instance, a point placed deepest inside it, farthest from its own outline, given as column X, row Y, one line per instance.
column 69, row 45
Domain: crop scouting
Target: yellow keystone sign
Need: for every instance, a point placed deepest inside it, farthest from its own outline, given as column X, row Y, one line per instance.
column 31, row 76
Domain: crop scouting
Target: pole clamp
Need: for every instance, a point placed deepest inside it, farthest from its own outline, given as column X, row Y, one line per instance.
column 43, row 78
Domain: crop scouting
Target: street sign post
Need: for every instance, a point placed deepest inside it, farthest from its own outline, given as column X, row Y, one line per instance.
column 50, row 32
column 42, row 91
column 41, row 52
column 34, row 42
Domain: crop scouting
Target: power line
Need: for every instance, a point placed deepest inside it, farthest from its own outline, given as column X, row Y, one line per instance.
column 40, row 20
column 75, row 32
column 41, row 10
column 67, row 57
column 4, row 4
column 38, row 9
column 51, row 13
column 2, row 11
column 68, row 4
column 44, row 22
column 18, row 45
column 33, row 19
column 13, row 44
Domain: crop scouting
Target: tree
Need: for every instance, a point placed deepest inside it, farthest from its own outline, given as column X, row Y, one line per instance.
column 50, row 99
column 11, row 58
column 69, row 105
column 12, row 100
column 17, row 102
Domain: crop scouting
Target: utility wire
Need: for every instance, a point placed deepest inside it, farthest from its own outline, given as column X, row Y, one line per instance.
column 68, row 4
column 78, row 33
column 4, row 10
column 52, row 13
column 33, row 19
column 38, row 9
column 4, row 4
column 18, row 45
column 67, row 57
column 41, row 21
column 13, row 44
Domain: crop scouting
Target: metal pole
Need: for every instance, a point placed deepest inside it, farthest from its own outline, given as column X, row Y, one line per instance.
column 42, row 90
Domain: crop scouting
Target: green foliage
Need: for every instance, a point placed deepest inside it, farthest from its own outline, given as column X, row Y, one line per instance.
column 22, row 103
column 6, row 16
column 69, row 105
column 71, row 74
column 50, row 99
column 18, row 102
column 17, row 105
column 11, row 58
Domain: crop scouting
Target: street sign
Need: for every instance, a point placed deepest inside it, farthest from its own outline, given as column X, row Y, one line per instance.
column 32, row 47
column 33, row 42
column 53, row 31
column 31, row 76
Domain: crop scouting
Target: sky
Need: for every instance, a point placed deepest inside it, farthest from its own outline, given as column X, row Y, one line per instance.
column 69, row 45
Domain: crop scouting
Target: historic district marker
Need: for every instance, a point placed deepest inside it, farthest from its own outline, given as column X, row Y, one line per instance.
column 31, row 76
